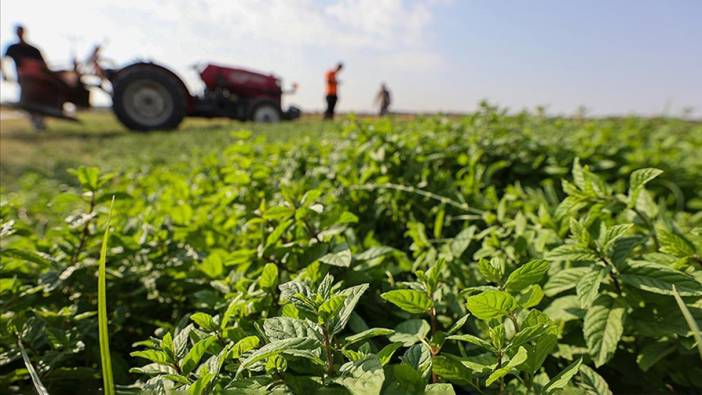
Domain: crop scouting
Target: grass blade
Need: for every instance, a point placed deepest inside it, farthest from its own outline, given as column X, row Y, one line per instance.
column 105, row 360
column 38, row 385
column 690, row 320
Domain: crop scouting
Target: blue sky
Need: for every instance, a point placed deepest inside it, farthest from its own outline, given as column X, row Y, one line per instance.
column 613, row 57
column 616, row 56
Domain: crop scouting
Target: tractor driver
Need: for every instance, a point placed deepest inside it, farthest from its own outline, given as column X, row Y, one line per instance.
column 24, row 54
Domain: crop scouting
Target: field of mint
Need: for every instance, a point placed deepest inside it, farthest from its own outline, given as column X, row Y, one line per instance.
column 491, row 254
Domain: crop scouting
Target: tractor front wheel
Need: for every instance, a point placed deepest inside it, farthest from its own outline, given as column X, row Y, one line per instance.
column 148, row 98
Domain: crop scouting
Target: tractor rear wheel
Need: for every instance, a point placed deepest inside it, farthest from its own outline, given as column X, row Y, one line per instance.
column 267, row 112
column 148, row 98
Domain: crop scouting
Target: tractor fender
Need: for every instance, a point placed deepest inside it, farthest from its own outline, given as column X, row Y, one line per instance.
column 115, row 76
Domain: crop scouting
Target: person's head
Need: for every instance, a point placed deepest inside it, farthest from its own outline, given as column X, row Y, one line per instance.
column 383, row 86
column 339, row 66
column 19, row 31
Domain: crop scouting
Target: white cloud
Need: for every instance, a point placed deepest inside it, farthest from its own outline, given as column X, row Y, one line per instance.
column 406, row 43
column 296, row 39
column 385, row 24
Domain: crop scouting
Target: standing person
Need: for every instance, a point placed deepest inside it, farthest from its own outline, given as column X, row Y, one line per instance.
column 332, row 97
column 383, row 98
column 23, row 55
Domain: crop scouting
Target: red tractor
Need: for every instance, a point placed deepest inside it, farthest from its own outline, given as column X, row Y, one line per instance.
column 147, row 96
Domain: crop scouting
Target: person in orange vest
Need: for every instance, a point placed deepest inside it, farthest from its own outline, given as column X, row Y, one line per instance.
column 332, row 97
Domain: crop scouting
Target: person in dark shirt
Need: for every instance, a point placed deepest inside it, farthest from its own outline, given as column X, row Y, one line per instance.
column 383, row 98
column 20, row 53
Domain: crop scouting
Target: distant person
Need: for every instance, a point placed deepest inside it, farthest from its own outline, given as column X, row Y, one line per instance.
column 383, row 98
column 24, row 55
column 332, row 97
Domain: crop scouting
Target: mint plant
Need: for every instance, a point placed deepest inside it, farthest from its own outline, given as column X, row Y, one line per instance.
column 490, row 254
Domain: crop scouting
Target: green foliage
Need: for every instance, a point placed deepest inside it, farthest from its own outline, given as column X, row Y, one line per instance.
column 474, row 255
column 491, row 304
column 409, row 300
column 528, row 274
column 563, row 378
column 105, row 358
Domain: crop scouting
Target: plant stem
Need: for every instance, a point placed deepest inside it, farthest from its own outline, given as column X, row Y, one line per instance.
column 312, row 232
column 84, row 233
column 476, row 386
column 103, row 332
column 648, row 223
column 527, row 380
column 514, row 321
column 420, row 192
column 432, row 350
column 691, row 323
column 328, row 351
column 38, row 385
column 499, row 365
column 615, row 281
column 432, row 317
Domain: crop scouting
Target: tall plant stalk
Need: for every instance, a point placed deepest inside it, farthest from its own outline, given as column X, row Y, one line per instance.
column 105, row 359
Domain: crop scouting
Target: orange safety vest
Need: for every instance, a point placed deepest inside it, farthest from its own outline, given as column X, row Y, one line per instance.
column 331, row 82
